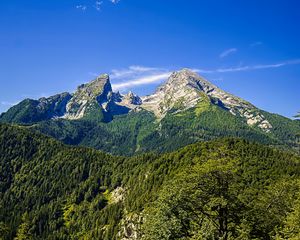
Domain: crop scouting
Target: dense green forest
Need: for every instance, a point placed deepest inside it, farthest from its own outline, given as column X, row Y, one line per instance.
column 140, row 132
column 221, row 189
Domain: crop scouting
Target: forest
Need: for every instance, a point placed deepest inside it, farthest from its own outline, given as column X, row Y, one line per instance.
column 221, row 189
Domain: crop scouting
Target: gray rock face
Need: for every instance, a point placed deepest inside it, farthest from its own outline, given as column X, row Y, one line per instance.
column 96, row 93
column 184, row 89
column 99, row 94
column 180, row 90
column 54, row 106
column 130, row 227
column 131, row 98
column 32, row 111
column 130, row 101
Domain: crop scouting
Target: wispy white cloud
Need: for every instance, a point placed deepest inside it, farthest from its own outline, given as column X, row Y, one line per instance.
column 231, row 69
column 228, row 52
column 98, row 5
column 115, row 1
column 122, row 79
column 141, row 81
column 82, row 7
column 134, row 71
column 249, row 67
column 261, row 66
column 132, row 76
column 199, row 70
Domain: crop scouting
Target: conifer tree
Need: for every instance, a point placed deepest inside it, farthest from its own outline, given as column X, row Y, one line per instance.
column 23, row 232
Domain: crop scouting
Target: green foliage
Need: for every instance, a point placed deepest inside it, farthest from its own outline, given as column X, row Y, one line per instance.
column 123, row 136
column 229, row 194
column 197, row 203
column 291, row 227
column 285, row 129
column 140, row 132
column 31, row 111
column 4, row 231
column 95, row 113
column 23, row 232
column 222, row 189
column 25, row 112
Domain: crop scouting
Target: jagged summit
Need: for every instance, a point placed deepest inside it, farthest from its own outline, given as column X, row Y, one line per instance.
column 190, row 77
column 186, row 109
column 97, row 86
column 88, row 96
column 183, row 90
column 186, row 89
column 179, row 89
column 97, row 97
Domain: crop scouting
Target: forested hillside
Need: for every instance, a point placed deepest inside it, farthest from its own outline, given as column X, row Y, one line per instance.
column 140, row 132
column 222, row 189
column 185, row 109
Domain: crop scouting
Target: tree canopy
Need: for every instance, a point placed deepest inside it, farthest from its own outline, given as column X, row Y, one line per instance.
column 222, row 189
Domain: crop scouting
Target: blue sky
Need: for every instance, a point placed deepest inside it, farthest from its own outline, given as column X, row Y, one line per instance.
column 249, row 48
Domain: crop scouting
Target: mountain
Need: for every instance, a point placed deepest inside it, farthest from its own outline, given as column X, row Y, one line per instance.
column 185, row 90
column 92, row 100
column 184, row 110
column 222, row 189
column 30, row 111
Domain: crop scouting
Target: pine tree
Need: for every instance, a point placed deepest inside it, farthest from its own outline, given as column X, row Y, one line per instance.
column 4, row 230
column 23, row 232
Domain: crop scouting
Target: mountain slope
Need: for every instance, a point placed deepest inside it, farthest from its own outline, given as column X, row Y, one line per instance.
column 185, row 89
column 140, row 132
column 184, row 110
column 52, row 191
column 30, row 111
column 94, row 100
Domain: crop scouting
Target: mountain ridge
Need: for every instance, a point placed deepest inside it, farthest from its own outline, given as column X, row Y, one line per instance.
column 186, row 86
column 184, row 110
column 182, row 90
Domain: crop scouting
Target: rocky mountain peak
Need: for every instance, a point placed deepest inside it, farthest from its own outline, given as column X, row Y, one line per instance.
column 185, row 74
column 131, row 98
column 185, row 89
column 54, row 106
column 96, row 93
column 189, row 78
column 96, row 87
column 181, row 91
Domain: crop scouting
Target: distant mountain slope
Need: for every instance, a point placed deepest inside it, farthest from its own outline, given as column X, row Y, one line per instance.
column 140, row 132
column 226, row 187
column 184, row 110
column 94, row 100
column 30, row 111
column 185, row 89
